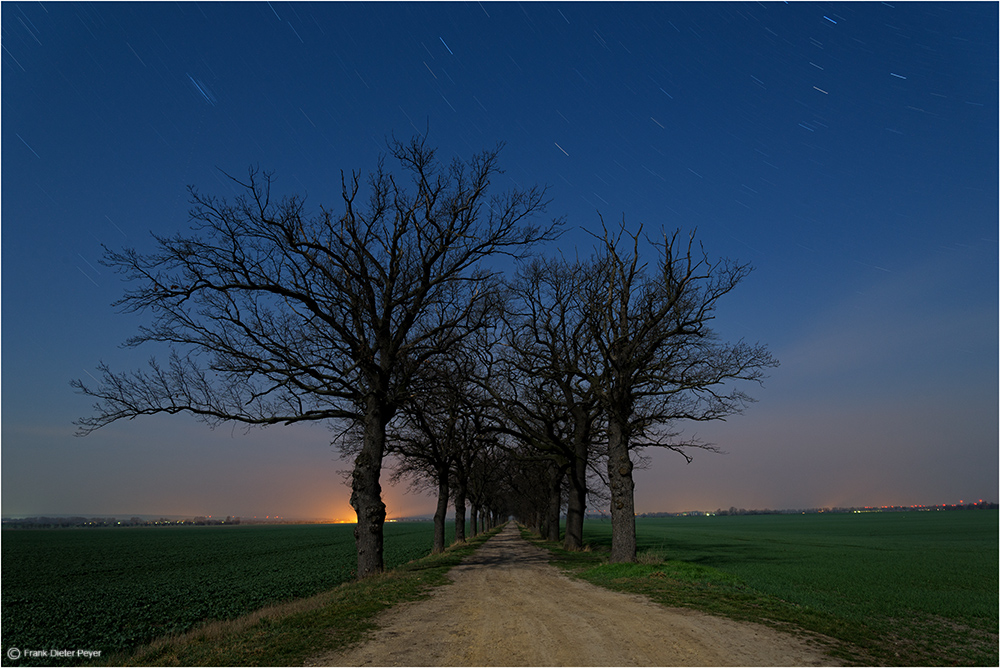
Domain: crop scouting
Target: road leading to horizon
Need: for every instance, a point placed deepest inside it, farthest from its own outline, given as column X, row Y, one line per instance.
column 508, row 606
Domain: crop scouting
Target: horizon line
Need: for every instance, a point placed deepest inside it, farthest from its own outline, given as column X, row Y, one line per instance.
column 429, row 516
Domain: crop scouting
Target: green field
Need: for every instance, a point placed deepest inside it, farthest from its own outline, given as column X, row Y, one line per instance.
column 901, row 588
column 113, row 589
column 909, row 587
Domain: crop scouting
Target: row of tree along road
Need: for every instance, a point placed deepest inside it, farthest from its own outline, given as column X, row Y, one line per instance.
column 391, row 319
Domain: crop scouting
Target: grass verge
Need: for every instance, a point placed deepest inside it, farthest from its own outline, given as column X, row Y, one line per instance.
column 290, row 633
column 846, row 639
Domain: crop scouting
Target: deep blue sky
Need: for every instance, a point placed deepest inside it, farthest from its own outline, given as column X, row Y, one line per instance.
column 848, row 151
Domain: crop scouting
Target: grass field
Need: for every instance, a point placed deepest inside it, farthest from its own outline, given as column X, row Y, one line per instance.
column 894, row 588
column 915, row 588
column 114, row 589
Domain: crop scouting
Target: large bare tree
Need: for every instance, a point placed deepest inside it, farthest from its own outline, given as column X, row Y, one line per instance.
column 659, row 362
column 276, row 316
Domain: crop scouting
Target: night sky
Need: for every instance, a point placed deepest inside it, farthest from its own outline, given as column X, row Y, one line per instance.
column 848, row 151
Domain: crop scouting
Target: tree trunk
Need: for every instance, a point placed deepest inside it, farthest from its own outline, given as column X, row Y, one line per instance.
column 576, row 504
column 441, row 510
column 366, row 492
column 551, row 521
column 459, row 512
column 474, row 520
column 622, row 491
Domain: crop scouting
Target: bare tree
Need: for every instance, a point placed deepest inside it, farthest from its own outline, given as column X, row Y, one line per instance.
column 659, row 362
column 484, row 466
column 532, row 430
column 532, row 484
column 548, row 345
column 477, row 441
column 276, row 316
column 431, row 439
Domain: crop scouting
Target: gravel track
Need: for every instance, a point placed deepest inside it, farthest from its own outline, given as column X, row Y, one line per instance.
column 509, row 607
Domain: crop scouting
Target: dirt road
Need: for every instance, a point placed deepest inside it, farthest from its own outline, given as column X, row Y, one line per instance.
column 509, row 607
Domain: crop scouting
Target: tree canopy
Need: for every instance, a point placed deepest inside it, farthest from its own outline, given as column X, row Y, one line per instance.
column 386, row 317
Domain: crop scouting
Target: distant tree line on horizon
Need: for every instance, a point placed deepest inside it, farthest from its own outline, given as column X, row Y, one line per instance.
column 45, row 522
column 77, row 521
column 419, row 322
column 979, row 505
